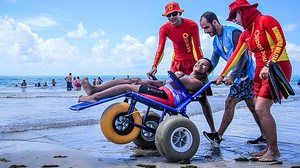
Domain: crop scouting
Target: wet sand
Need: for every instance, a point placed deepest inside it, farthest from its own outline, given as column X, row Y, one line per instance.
column 86, row 147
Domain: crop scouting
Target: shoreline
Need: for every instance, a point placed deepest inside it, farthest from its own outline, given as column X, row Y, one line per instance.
column 50, row 155
column 85, row 146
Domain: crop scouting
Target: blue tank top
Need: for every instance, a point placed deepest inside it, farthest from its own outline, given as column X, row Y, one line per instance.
column 224, row 47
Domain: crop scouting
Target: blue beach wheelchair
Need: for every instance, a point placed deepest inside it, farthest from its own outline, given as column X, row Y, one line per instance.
column 173, row 134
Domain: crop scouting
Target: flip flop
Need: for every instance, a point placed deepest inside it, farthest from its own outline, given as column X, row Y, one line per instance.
column 264, row 160
column 277, row 162
column 241, row 159
column 254, row 159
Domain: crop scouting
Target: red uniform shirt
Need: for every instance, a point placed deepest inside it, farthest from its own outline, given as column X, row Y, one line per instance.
column 185, row 39
column 265, row 40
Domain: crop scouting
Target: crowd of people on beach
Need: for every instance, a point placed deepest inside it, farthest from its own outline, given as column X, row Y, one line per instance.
column 262, row 36
column 75, row 82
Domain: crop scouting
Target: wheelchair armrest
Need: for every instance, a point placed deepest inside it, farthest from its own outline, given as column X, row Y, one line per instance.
column 178, row 83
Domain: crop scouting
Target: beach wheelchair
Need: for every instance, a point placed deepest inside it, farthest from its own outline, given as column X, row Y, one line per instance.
column 173, row 134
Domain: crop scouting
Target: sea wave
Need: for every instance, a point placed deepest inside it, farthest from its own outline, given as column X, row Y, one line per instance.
column 43, row 126
column 49, row 94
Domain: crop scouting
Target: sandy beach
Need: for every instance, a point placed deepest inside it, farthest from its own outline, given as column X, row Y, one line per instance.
column 85, row 146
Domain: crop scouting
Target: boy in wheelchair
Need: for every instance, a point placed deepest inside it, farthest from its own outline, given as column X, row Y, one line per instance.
column 165, row 92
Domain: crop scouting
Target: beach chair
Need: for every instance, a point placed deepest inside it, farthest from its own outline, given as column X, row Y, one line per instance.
column 173, row 134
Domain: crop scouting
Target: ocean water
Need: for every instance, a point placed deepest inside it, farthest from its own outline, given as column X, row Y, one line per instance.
column 42, row 114
column 36, row 108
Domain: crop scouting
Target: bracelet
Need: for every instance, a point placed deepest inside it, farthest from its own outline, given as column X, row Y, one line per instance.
column 268, row 64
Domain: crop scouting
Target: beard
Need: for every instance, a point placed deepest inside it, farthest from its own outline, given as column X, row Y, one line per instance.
column 214, row 31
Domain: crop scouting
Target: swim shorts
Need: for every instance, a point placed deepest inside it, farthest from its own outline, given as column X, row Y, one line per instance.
column 153, row 91
column 162, row 94
column 184, row 66
column 242, row 90
column 262, row 88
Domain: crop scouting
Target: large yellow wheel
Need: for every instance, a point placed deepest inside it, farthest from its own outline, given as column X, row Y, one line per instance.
column 116, row 124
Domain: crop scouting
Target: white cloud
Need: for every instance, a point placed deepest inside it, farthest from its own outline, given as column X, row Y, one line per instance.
column 40, row 21
column 20, row 47
column 17, row 41
column 293, row 51
column 131, row 56
column 97, row 34
column 289, row 27
column 79, row 33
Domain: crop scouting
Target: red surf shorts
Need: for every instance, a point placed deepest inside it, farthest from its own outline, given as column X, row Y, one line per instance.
column 184, row 66
column 262, row 87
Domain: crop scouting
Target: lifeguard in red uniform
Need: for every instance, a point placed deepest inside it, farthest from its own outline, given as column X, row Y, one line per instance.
column 184, row 34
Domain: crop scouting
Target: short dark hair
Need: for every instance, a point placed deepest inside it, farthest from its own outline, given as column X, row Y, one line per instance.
column 210, row 16
column 211, row 68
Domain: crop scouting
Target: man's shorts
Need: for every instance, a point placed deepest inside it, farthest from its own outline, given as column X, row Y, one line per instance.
column 243, row 90
column 153, row 91
column 184, row 66
column 162, row 94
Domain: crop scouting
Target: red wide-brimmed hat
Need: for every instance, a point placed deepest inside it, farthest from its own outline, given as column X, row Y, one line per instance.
column 172, row 7
column 238, row 4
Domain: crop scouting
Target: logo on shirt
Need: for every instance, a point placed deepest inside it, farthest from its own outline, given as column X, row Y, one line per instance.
column 259, row 46
column 186, row 41
column 279, row 46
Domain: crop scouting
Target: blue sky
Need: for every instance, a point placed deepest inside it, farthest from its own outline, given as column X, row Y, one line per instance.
column 115, row 37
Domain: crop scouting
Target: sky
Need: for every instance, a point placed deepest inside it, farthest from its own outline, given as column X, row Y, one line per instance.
column 113, row 37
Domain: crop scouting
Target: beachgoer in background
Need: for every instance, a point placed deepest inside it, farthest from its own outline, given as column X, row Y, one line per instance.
column 73, row 82
column 224, row 43
column 68, row 79
column 184, row 34
column 53, row 82
column 94, row 82
column 45, row 84
column 99, row 81
column 153, row 88
column 264, row 37
column 24, row 84
column 78, row 83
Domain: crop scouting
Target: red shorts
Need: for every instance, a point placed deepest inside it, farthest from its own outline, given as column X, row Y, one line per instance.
column 184, row 66
column 162, row 94
column 262, row 88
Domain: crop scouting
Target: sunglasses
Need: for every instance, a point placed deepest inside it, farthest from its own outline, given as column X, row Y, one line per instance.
column 173, row 14
column 234, row 14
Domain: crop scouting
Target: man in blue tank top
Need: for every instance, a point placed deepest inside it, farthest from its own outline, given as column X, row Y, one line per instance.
column 241, row 77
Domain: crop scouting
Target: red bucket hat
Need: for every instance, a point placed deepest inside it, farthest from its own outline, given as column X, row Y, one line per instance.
column 172, row 7
column 238, row 4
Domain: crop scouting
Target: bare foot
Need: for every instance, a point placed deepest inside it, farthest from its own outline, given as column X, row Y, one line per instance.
column 260, row 153
column 89, row 99
column 269, row 156
column 87, row 87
